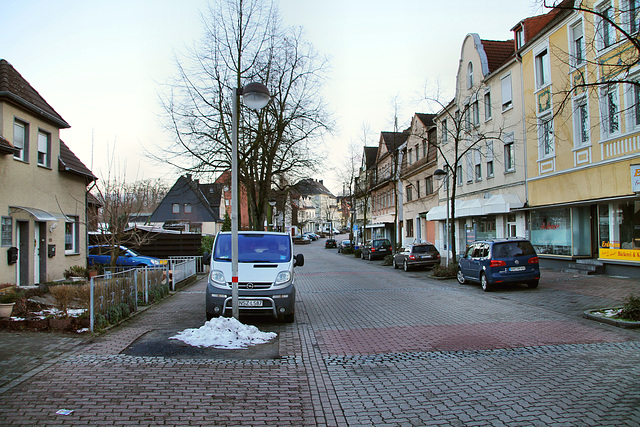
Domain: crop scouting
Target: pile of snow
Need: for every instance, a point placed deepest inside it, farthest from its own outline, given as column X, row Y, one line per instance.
column 224, row 333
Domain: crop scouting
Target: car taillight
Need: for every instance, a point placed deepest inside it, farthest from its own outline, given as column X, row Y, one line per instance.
column 437, row 255
column 497, row 263
column 533, row 260
column 412, row 257
column 373, row 249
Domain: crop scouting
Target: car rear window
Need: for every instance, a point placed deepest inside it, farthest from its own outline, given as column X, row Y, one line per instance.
column 423, row 249
column 379, row 243
column 513, row 249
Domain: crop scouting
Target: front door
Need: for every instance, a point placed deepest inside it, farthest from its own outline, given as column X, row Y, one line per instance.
column 22, row 267
column 40, row 253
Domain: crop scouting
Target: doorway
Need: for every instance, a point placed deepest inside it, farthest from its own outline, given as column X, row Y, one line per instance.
column 22, row 267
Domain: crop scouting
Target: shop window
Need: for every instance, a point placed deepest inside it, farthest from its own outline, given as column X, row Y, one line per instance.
column 619, row 228
column 510, row 226
column 551, row 231
column 485, row 228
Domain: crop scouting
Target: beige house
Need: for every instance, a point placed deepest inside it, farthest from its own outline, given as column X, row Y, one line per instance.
column 481, row 133
column 419, row 191
column 44, row 188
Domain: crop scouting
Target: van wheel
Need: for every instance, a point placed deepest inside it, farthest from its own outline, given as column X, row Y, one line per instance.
column 485, row 283
column 289, row 318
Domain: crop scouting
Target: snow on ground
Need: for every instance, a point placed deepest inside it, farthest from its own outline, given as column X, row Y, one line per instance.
column 224, row 333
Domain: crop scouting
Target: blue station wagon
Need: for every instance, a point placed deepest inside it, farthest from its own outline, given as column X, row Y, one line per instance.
column 499, row 261
column 101, row 255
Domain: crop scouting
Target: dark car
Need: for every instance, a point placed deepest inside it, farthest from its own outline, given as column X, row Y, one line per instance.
column 101, row 255
column 376, row 249
column 344, row 245
column 416, row 255
column 500, row 261
column 330, row 243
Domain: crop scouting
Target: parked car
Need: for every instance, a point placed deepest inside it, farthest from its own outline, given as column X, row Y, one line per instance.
column 376, row 249
column 266, row 276
column 416, row 255
column 301, row 240
column 500, row 261
column 101, row 255
column 312, row 236
column 344, row 245
column 330, row 243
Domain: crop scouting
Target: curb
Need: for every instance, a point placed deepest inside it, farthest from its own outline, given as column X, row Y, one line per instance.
column 627, row 324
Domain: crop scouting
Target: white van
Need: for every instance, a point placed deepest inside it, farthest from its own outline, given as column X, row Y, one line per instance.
column 265, row 275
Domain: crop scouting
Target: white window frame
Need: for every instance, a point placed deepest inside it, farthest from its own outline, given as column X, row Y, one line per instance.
column 175, row 208
column 44, row 148
column 610, row 99
column 490, row 166
column 410, row 155
column 581, row 128
column 632, row 104
column 605, row 32
column 459, row 175
column 72, row 236
column 632, row 16
column 6, row 231
column 542, row 66
column 23, row 145
column 487, row 105
column 187, row 208
column 475, row 113
column 506, row 92
column 509, row 151
column 478, row 165
column 546, row 137
column 576, row 38
column 470, row 171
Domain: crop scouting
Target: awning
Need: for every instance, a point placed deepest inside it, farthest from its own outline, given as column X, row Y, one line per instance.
column 375, row 226
column 439, row 213
column 472, row 207
column 502, row 203
column 38, row 214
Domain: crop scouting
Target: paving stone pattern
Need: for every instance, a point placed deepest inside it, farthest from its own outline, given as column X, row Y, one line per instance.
column 371, row 346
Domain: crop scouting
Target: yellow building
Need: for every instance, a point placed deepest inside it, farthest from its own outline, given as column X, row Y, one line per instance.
column 582, row 114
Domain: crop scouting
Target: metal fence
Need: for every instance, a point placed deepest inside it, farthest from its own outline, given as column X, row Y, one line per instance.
column 118, row 292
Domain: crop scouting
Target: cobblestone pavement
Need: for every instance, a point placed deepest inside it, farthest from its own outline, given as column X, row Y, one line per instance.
column 371, row 346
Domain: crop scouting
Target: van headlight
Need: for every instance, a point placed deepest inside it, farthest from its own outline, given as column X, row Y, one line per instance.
column 217, row 277
column 283, row 277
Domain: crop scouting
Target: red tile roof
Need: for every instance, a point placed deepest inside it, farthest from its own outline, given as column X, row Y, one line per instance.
column 498, row 52
column 15, row 88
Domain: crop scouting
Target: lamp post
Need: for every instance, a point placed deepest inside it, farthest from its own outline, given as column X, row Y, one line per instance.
column 255, row 96
column 274, row 214
column 442, row 175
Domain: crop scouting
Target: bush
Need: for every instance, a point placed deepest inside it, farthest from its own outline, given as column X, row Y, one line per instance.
column 631, row 309
column 442, row 271
column 357, row 253
column 75, row 271
column 64, row 295
column 10, row 295
column 388, row 260
column 348, row 250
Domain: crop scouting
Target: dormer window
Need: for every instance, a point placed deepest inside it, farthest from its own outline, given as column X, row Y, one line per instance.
column 519, row 38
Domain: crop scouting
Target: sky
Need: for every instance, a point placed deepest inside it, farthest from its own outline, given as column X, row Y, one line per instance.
column 102, row 66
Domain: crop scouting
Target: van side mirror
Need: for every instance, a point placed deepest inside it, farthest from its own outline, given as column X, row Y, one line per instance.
column 298, row 260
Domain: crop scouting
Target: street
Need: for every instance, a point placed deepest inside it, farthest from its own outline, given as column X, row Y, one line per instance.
column 371, row 345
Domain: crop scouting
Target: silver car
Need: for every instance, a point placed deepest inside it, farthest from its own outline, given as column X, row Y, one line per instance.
column 416, row 255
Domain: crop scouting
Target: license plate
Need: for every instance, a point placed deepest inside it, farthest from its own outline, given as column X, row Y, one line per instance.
column 426, row 256
column 517, row 268
column 250, row 303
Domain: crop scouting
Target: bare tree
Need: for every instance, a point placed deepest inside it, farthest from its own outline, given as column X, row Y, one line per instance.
column 245, row 41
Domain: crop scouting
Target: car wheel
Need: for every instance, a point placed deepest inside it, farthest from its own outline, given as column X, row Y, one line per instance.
column 460, row 277
column 533, row 284
column 289, row 318
column 405, row 266
column 209, row 316
column 361, row 254
column 395, row 265
column 484, row 283
column 369, row 256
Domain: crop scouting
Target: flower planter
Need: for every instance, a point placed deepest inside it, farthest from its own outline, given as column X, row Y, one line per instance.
column 6, row 309
column 599, row 317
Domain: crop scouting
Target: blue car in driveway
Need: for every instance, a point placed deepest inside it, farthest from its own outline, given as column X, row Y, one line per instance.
column 499, row 261
column 101, row 255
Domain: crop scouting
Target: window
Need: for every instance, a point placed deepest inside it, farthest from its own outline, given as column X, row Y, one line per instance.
column 445, row 132
column 175, row 208
column 505, row 84
column 545, row 137
column 509, row 153
column 475, row 114
column 71, row 235
column 478, row 165
column 187, row 208
column 604, row 28
column 459, row 175
column 409, row 193
column 418, row 189
column 409, row 227
column 44, row 148
column 543, row 76
column 519, row 38
column 581, row 121
column 610, row 110
column 429, row 185
column 469, row 167
column 487, row 106
column 20, row 140
column 633, row 101
column 425, row 148
column 6, row 231
column 489, row 159
column 417, row 151
column 410, row 159
column 577, row 44
column 469, row 75
column 631, row 16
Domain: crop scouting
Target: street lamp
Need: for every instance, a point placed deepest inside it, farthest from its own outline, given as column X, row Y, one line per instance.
column 255, row 96
column 272, row 203
column 442, row 175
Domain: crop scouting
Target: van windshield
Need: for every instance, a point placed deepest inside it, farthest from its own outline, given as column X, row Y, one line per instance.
column 254, row 248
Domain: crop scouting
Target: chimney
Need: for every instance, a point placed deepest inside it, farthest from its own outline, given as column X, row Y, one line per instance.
column 320, row 182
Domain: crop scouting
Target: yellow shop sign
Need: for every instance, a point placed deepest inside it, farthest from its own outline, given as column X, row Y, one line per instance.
column 620, row 254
